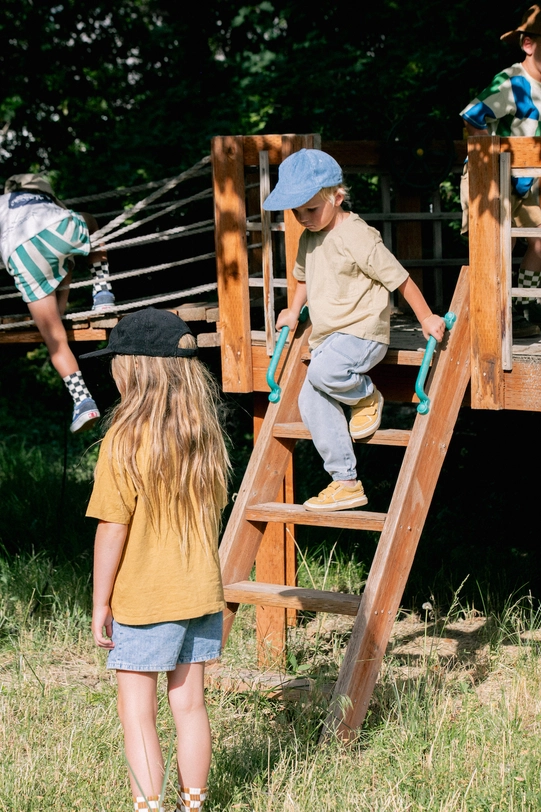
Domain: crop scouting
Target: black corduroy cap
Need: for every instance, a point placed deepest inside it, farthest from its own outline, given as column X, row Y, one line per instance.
column 148, row 332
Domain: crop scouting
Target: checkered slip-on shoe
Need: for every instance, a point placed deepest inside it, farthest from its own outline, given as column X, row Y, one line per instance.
column 366, row 415
column 85, row 415
column 103, row 301
column 337, row 497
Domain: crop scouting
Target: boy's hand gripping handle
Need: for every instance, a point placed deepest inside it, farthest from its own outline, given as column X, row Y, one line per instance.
column 274, row 395
column 424, row 405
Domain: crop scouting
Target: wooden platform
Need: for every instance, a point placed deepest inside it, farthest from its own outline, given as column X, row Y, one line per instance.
column 395, row 376
column 97, row 327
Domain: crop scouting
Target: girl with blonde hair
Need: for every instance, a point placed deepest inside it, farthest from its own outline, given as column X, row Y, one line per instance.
column 160, row 486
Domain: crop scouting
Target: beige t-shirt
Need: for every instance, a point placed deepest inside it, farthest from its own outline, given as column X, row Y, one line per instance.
column 160, row 578
column 348, row 273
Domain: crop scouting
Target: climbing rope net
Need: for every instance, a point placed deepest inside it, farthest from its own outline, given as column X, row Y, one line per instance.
column 114, row 236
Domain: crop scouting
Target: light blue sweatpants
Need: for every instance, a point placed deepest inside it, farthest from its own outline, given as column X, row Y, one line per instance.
column 337, row 375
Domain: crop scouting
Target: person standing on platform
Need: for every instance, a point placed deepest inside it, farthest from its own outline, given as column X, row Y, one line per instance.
column 511, row 106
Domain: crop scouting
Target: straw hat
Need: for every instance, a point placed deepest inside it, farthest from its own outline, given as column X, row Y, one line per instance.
column 531, row 24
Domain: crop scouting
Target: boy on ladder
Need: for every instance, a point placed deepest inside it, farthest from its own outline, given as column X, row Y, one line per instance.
column 345, row 273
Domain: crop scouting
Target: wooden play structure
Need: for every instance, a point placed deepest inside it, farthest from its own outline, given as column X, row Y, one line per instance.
column 478, row 349
column 477, row 364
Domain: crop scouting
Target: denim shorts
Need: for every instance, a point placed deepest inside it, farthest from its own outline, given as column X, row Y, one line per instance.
column 163, row 646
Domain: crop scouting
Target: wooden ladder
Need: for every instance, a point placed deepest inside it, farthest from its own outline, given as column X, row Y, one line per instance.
column 400, row 528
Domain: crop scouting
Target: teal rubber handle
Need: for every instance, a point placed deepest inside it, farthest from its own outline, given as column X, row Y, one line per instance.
column 424, row 405
column 274, row 395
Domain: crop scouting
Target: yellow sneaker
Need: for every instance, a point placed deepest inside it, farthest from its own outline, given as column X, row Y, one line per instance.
column 337, row 496
column 366, row 415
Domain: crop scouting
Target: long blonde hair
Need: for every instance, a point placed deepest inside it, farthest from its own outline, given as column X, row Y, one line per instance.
column 172, row 406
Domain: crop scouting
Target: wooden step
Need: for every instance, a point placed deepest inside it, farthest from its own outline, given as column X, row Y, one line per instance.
column 299, row 431
column 296, row 514
column 292, row 597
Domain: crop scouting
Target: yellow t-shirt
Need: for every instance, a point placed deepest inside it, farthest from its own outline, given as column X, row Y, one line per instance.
column 160, row 577
column 348, row 273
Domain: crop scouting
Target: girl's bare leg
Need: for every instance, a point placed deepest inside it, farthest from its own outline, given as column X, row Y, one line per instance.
column 46, row 314
column 137, row 709
column 187, row 701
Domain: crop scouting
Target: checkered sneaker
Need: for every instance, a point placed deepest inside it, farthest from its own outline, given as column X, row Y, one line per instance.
column 527, row 279
column 77, row 387
column 191, row 798
column 100, row 272
column 153, row 803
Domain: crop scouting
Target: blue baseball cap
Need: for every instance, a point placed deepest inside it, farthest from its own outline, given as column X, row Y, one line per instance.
column 300, row 177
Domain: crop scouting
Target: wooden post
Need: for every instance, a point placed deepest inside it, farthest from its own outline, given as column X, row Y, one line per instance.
column 266, row 253
column 291, row 144
column 276, row 563
column 409, row 241
column 487, row 383
column 507, row 260
column 232, row 263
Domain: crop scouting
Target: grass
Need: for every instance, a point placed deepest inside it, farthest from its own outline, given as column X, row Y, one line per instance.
column 454, row 723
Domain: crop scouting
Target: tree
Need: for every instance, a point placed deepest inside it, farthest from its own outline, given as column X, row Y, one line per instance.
column 110, row 93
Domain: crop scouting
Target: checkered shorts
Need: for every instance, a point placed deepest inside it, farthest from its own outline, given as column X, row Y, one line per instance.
column 40, row 264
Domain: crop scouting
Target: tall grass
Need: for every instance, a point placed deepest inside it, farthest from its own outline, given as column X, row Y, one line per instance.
column 443, row 733
column 448, row 729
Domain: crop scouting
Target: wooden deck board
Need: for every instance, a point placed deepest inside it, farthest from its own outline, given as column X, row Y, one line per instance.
column 282, row 512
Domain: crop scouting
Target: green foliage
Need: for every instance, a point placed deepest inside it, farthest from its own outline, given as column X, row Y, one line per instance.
column 112, row 93
column 43, row 503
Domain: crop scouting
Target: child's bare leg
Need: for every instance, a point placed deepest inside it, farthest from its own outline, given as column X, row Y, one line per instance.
column 187, row 701
column 137, row 709
column 62, row 293
column 46, row 314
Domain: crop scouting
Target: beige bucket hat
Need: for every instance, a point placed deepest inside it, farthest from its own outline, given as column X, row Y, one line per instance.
column 30, row 181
